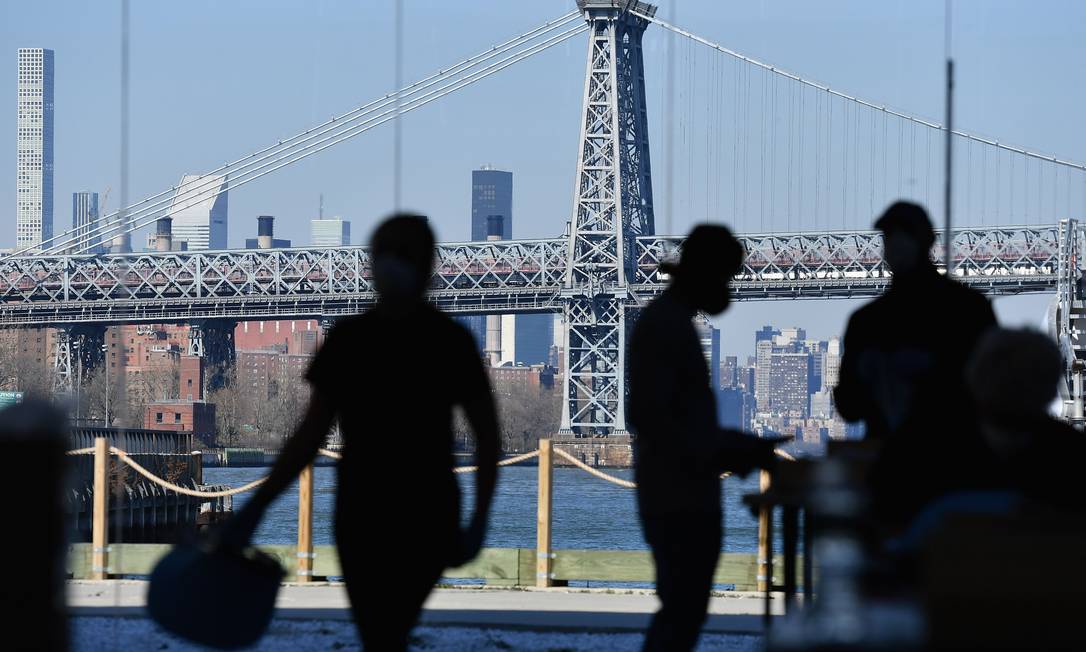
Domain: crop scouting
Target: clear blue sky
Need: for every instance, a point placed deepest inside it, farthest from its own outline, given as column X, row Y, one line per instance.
column 215, row 79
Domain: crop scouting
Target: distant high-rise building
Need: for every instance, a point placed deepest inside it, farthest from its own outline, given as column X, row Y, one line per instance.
column 817, row 349
column 747, row 375
column 199, row 211
column 729, row 372
column 831, row 366
column 735, row 407
column 821, row 405
column 763, row 350
column 788, row 393
column 330, row 232
column 34, row 149
column 765, row 333
column 85, row 219
column 710, row 348
column 491, row 194
column 790, row 336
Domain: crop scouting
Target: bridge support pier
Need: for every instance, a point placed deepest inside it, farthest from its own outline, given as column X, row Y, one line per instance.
column 212, row 340
column 77, row 350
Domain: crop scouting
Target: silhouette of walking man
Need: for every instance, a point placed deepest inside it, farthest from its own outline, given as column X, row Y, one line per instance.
column 679, row 450
column 902, row 373
column 397, row 503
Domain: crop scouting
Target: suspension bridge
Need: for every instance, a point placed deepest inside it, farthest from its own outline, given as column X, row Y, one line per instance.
column 800, row 155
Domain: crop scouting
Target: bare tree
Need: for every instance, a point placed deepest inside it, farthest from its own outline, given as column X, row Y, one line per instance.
column 20, row 368
column 103, row 398
column 230, row 412
column 526, row 413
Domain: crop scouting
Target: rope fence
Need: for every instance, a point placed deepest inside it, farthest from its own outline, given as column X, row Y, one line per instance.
column 516, row 459
column 166, row 484
column 509, row 461
column 546, row 453
column 606, row 477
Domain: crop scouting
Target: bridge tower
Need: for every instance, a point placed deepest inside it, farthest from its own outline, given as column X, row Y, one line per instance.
column 612, row 205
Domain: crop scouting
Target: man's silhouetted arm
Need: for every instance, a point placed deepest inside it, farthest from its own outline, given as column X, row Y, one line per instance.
column 479, row 410
column 297, row 453
column 740, row 452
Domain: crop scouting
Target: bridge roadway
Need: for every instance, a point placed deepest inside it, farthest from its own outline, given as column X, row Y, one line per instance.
column 516, row 276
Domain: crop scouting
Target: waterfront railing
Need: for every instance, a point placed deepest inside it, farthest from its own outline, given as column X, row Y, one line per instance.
column 542, row 567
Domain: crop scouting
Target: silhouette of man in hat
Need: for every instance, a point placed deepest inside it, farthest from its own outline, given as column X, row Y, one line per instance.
column 902, row 373
column 397, row 501
column 679, row 450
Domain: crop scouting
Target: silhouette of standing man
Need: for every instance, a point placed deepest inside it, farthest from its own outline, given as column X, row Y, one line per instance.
column 397, row 502
column 679, row 450
column 902, row 373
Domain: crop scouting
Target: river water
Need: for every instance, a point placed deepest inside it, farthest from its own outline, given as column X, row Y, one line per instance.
column 588, row 512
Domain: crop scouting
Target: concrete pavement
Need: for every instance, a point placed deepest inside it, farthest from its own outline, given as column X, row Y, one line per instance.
column 543, row 609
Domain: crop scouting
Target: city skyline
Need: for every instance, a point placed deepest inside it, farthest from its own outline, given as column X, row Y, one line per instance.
column 915, row 84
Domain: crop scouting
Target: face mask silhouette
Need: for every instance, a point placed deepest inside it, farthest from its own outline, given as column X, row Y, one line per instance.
column 715, row 302
column 712, row 295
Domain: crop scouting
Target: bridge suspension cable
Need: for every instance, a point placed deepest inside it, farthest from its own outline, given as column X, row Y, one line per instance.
column 382, row 111
column 339, row 128
column 871, row 105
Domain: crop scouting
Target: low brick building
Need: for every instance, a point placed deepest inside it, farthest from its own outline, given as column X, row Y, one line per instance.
column 197, row 417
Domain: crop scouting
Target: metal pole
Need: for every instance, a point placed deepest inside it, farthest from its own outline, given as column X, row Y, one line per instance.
column 397, row 136
column 79, row 378
column 109, row 421
column 948, row 236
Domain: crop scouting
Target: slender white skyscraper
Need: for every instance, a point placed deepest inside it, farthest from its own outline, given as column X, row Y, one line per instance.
column 199, row 214
column 34, row 147
column 85, row 219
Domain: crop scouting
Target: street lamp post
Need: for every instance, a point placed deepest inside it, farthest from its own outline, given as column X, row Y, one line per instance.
column 105, row 349
column 79, row 376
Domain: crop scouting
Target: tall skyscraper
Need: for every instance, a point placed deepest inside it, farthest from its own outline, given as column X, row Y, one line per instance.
column 729, row 372
column 763, row 350
column 329, row 232
column 831, row 366
column 525, row 339
column 34, row 148
column 709, row 338
column 491, row 194
column 788, row 383
column 199, row 214
column 85, row 219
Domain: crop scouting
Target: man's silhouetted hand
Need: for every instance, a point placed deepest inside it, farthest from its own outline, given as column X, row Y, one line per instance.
column 740, row 453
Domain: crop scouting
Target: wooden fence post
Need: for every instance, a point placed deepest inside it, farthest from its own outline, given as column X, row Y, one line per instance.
column 198, row 466
column 765, row 543
column 305, row 525
column 543, row 554
column 100, row 514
